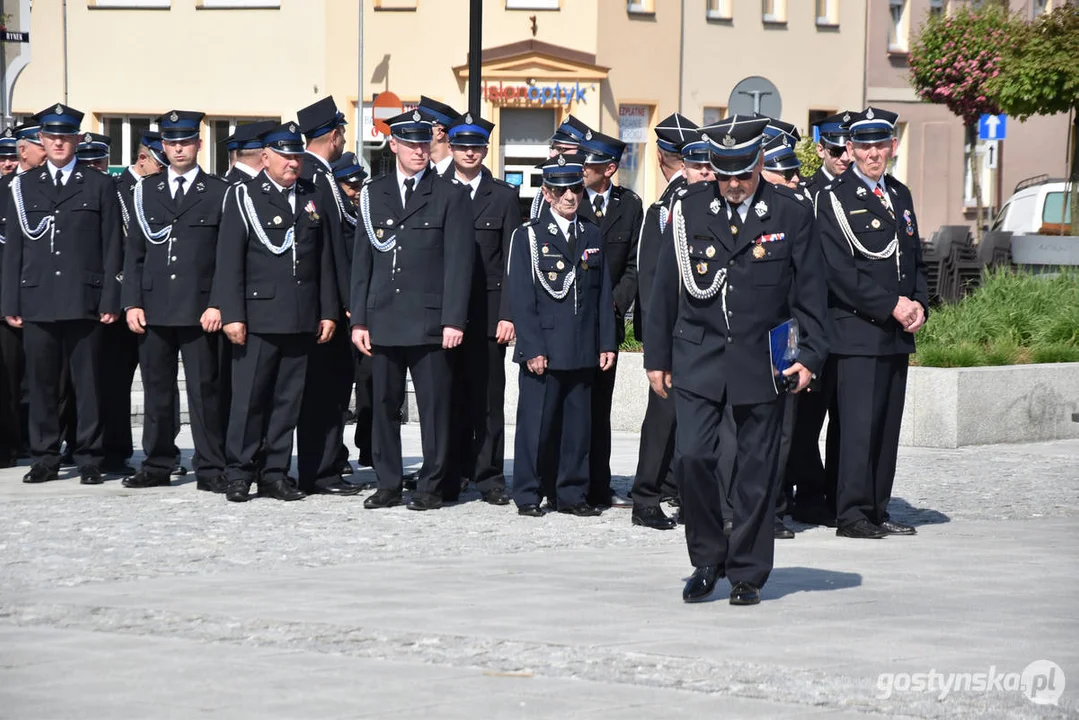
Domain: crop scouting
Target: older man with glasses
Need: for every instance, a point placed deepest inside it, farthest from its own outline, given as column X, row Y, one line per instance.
column 562, row 303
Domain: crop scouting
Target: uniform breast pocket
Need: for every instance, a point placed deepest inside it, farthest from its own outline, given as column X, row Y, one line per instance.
column 703, row 259
column 770, row 271
column 427, row 229
column 204, row 220
column 615, row 238
column 88, row 205
column 489, row 223
column 260, row 292
column 554, row 267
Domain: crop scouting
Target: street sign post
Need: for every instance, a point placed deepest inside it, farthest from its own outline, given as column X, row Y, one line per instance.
column 992, row 154
column 992, row 127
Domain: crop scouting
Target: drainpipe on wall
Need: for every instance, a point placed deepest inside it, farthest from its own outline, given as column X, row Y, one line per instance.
column 65, row 53
column 682, row 56
column 361, row 148
column 865, row 60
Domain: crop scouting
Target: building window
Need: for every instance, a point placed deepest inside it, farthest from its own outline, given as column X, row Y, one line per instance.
column 897, row 27
column 774, row 11
column 634, row 122
column 248, row 4
column 124, row 135
column 131, row 4
column 936, row 8
column 395, row 4
column 828, row 13
column 641, row 6
column 815, row 116
column 1040, row 7
column 719, row 10
column 712, row 114
column 221, row 128
column 898, row 166
column 532, row 4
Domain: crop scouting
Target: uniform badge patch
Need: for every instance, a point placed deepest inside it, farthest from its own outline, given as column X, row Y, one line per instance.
column 861, row 191
column 761, row 208
column 702, row 268
column 552, row 228
column 714, row 206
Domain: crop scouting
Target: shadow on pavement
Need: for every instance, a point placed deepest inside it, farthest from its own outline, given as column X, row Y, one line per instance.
column 904, row 512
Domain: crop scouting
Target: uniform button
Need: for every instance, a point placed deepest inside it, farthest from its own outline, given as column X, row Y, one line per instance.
column 730, row 339
column 172, row 277
column 299, row 282
column 58, row 231
column 730, row 263
column 730, row 288
column 57, row 252
column 57, row 272
column 173, row 258
column 253, row 294
column 398, row 290
column 201, row 220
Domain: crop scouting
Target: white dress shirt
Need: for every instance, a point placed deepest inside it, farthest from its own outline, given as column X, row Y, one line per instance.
column 401, row 183
column 563, row 224
column 66, row 169
column 189, row 179
column 441, row 165
column 291, row 192
column 473, row 184
column 245, row 169
column 606, row 198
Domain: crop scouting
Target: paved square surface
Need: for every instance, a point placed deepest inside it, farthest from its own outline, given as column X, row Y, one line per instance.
column 172, row 603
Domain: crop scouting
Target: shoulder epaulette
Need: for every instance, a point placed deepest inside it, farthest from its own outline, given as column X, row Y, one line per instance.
column 508, row 185
column 530, row 221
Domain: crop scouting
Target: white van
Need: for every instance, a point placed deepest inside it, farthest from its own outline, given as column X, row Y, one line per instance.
column 1037, row 203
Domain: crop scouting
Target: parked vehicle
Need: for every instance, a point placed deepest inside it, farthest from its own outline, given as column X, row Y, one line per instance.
column 1038, row 206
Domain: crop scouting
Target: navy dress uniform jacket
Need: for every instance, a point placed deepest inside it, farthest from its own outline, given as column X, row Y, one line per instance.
column 497, row 213
column 73, row 274
column 406, row 295
column 620, row 228
column 315, row 171
column 269, row 292
column 171, row 280
column 648, row 251
column 571, row 338
column 862, row 291
column 691, row 339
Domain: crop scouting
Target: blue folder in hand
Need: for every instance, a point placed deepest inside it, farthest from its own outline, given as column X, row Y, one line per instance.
column 783, row 351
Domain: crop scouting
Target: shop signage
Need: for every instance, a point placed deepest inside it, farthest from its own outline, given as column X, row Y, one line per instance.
column 558, row 94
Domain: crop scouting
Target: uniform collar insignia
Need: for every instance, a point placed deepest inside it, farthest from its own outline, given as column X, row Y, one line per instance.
column 681, row 192
column 761, row 208
column 44, row 175
column 200, row 187
column 861, row 191
column 161, row 185
column 266, row 187
column 78, row 175
column 552, row 228
column 714, row 206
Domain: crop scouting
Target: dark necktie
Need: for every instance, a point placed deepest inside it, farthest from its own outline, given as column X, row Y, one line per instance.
column 571, row 235
column 736, row 221
column 178, row 198
column 285, row 193
column 597, row 205
column 410, row 183
column 59, row 179
column 879, row 192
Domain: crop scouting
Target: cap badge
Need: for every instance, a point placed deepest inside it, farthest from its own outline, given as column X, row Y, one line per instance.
column 710, row 252
column 729, row 141
column 553, row 229
column 714, row 206
column 588, row 135
column 761, row 208
column 59, row 109
column 759, row 251
column 869, row 114
column 786, row 142
column 846, row 117
column 468, row 118
column 7, row 132
column 174, row 117
column 561, row 160
column 292, row 127
column 861, row 191
column 416, row 116
column 87, row 138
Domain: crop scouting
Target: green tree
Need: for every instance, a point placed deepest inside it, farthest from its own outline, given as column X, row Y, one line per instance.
column 1039, row 75
column 806, row 150
column 952, row 59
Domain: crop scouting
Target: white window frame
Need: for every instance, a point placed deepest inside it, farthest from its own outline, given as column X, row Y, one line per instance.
column 132, row 4
column 898, row 35
column 830, row 18
column 238, row 4
column 719, row 10
column 938, row 8
column 125, row 133
column 533, row 4
column 641, row 7
column 1046, row 6
column 777, row 14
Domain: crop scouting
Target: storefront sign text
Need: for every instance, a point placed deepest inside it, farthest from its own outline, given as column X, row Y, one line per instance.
column 542, row 94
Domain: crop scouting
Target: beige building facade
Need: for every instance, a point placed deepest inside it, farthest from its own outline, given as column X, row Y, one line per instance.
column 615, row 64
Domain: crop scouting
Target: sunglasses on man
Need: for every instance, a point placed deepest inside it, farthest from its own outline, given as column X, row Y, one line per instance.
column 836, row 152
column 560, row 191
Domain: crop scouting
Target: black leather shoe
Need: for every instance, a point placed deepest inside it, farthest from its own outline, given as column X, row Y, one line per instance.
column 701, row 584
column 744, row 593
column 67, row 459
column 620, row 501
column 813, row 514
column 39, row 474
column 178, row 470
column 90, row 475
column 217, row 484
column 336, row 487
column 897, row 528
column 862, row 529
column 423, row 501
column 581, row 510
column 496, row 496
column 652, row 516
column 345, row 468
column 530, row 510
column 8, row 461
column 238, row 491
column 383, row 499
column 409, row 481
column 146, row 479
column 282, row 488
column 117, row 467
column 728, row 528
column 783, row 532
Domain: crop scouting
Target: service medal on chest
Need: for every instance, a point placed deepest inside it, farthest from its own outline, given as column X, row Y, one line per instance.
column 709, row 252
column 552, row 276
column 875, row 223
column 560, row 265
column 546, row 249
column 276, row 219
column 759, row 251
column 702, row 268
column 379, row 233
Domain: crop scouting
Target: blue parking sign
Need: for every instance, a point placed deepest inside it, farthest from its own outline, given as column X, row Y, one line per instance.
column 992, row 127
